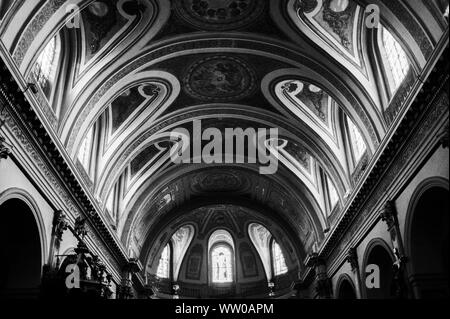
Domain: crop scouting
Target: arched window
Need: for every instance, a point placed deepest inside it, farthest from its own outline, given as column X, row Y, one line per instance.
column 110, row 204
column 46, row 66
column 86, row 149
column 358, row 145
column 221, row 254
column 332, row 194
column 395, row 60
column 279, row 263
column 222, row 264
column 164, row 264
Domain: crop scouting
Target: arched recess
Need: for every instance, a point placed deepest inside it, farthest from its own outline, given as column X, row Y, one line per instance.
column 23, row 253
column 426, row 239
column 378, row 253
column 345, row 288
column 23, row 195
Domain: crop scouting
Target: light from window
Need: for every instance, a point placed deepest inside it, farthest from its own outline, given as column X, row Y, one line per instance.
column 46, row 66
column 222, row 264
column 110, row 204
column 279, row 263
column 358, row 145
column 396, row 58
column 85, row 149
column 334, row 197
column 164, row 264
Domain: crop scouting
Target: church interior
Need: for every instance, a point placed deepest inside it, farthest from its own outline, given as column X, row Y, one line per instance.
column 93, row 205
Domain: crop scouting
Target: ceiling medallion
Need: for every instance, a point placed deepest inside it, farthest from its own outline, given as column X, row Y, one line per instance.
column 218, row 181
column 220, row 78
column 219, row 15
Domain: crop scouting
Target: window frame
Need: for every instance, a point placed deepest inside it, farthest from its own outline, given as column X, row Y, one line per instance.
column 382, row 71
column 168, row 246
column 232, row 264
column 58, row 65
column 273, row 242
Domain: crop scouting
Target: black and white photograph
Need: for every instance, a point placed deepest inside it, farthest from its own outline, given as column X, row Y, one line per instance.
column 224, row 158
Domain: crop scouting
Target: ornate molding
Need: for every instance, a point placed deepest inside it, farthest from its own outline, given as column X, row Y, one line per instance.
column 338, row 21
column 80, row 229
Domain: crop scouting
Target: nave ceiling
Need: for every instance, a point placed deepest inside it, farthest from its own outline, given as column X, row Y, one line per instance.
column 135, row 70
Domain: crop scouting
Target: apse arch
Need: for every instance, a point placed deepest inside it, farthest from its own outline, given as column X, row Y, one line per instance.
column 307, row 204
column 426, row 239
column 264, row 216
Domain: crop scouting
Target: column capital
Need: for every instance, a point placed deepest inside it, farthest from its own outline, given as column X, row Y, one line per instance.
column 352, row 258
column 389, row 214
column 80, row 227
column 443, row 137
column 60, row 225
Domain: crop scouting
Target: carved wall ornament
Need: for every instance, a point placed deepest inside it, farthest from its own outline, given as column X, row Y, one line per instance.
column 4, row 151
column 352, row 258
column 80, row 227
column 338, row 21
column 305, row 6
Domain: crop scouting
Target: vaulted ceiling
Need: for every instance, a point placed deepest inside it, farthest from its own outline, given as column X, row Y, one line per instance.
column 135, row 70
